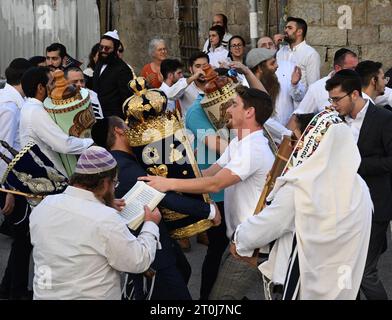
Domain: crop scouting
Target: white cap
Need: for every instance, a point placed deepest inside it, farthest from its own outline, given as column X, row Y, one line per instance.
column 112, row 34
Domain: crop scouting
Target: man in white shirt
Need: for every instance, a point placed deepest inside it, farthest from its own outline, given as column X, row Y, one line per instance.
column 371, row 128
column 11, row 102
column 74, row 75
column 36, row 124
column 281, row 81
column 14, row 283
column 219, row 20
column 171, row 70
column 299, row 52
column 186, row 90
column 316, row 97
column 81, row 244
column 372, row 79
column 241, row 171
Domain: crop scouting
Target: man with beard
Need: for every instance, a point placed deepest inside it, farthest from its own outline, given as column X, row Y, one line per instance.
column 81, row 243
column 172, row 268
column 283, row 84
column 37, row 125
column 58, row 58
column 111, row 76
column 299, row 52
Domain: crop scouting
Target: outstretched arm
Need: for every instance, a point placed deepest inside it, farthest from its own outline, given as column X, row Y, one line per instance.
column 224, row 178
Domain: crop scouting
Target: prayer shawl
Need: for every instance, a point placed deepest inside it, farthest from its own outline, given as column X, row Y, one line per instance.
column 333, row 212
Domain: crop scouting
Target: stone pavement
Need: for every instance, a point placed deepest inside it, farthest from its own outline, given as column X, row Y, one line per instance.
column 196, row 256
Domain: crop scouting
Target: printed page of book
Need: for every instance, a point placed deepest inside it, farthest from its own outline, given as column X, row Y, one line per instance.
column 140, row 195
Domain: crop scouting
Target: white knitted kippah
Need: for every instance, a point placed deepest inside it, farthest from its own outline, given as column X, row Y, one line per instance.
column 112, row 34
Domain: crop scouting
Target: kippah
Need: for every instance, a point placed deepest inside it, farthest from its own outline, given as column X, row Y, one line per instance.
column 99, row 132
column 95, row 160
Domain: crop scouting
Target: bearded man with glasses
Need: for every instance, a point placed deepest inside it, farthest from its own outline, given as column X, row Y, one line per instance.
column 111, row 76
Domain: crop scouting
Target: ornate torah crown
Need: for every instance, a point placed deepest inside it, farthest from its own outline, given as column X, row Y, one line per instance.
column 160, row 145
column 219, row 92
column 146, row 115
column 144, row 103
column 70, row 108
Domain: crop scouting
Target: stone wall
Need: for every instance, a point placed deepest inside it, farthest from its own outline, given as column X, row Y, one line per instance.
column 139, row 21
column 371, row 34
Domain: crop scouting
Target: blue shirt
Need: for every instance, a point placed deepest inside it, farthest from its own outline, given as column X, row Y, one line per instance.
column 196, row 121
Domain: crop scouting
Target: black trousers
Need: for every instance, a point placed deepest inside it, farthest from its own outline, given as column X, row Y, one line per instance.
column 15, row 280
column 182, row 262
column 218, row 242
column 371, row 285
column 169, row 285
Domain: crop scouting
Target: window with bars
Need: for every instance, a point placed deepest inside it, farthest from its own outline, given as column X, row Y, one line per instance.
column 189, row 29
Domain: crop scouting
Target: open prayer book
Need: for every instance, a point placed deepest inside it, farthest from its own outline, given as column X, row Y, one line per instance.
column 139, row 196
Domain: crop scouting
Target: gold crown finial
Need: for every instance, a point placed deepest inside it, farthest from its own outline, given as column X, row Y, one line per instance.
column 145, row 103
column 138, row 86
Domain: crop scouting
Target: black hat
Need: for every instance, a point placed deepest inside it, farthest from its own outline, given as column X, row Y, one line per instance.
column 99, row 132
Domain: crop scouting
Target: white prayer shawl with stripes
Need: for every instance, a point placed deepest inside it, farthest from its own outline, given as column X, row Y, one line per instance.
column 333, row 212
column 327, row 204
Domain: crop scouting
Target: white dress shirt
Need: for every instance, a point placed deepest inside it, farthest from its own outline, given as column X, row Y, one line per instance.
column 217, row 55
column 250, row 159
column 171, row 103
column 305, row 57
column 185, row 93
column 36, row 125
column 385, row 99
column 288, row 94
column 11, row 103
column 356, row 124
column 316, row 98
column 225, row 42
column 81, row 246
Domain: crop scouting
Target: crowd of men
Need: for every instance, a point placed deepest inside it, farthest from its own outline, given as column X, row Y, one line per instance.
column 330, row 209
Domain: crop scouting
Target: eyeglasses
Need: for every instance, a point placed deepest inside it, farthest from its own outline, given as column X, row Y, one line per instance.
column 236, row 46
column 105, row 48
column 116, row 183
column 337, row 99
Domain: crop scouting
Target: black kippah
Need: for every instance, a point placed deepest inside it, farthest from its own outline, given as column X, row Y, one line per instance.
column 99, row 132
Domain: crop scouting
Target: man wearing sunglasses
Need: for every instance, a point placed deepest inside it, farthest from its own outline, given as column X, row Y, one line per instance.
column 371, row 127
column 111, row 76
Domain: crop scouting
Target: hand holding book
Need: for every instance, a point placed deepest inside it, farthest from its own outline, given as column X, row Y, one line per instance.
column 136, row 199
